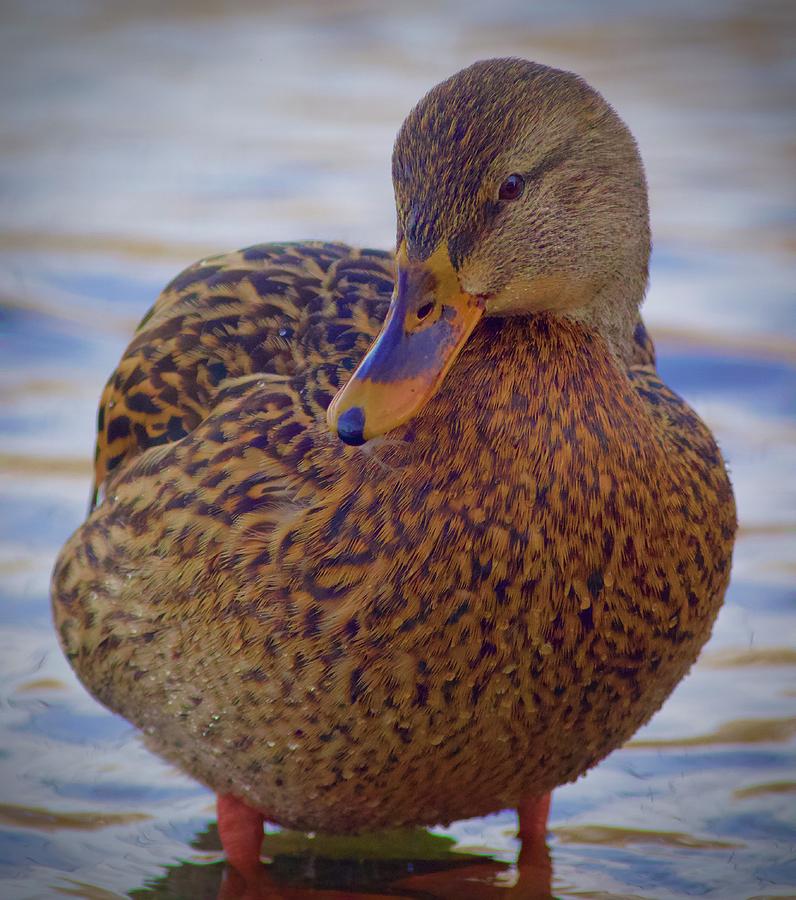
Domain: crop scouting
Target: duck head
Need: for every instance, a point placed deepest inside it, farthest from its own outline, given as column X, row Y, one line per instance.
column 518, row 190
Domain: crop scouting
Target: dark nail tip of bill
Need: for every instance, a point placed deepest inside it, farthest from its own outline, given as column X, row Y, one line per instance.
column 351, row 425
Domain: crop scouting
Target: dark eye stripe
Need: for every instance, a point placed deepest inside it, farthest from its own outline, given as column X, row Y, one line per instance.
column 551, row 161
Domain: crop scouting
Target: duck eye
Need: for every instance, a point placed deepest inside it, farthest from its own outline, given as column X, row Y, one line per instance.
column 424, row 310
column 512, row 187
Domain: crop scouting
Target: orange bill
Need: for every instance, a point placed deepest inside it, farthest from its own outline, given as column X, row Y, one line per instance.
column 429, row 321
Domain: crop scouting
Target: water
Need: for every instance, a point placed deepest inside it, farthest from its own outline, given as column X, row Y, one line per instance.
column 135, row 141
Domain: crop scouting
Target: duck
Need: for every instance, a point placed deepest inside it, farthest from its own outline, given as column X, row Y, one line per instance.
column 388, row 539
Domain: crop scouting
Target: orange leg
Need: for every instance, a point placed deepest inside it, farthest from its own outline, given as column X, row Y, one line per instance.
column 241, row 831
column 534, row 855
column 533, row 813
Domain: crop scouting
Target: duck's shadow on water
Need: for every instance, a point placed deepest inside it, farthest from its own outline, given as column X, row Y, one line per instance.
column 416, row 864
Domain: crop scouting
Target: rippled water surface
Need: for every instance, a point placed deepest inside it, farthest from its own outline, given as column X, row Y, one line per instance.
column 133, row 141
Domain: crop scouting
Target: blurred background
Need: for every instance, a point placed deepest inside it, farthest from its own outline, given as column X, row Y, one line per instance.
column 138, row 137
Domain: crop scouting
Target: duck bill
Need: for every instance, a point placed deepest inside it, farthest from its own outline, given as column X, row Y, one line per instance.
column 428, row 323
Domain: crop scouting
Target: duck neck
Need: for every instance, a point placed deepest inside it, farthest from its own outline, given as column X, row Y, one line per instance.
column 521, row 376
column 614, row 313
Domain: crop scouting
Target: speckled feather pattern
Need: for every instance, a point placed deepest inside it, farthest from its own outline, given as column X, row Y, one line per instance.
column 433, row 626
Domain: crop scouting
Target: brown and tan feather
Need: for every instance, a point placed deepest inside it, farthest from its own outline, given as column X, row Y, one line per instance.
column 343, row 636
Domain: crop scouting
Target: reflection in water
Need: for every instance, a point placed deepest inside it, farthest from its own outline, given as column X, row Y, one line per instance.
column 49, row 820
column 761, row 656
column 413, row 863
column 138, row 138
column 742, row 731
column 622, row 837
column 775, row 787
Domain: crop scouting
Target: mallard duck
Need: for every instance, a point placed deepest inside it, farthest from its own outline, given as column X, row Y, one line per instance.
column 397, row 539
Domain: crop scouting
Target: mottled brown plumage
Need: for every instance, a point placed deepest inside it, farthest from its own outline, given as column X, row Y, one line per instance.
column 440, row 623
